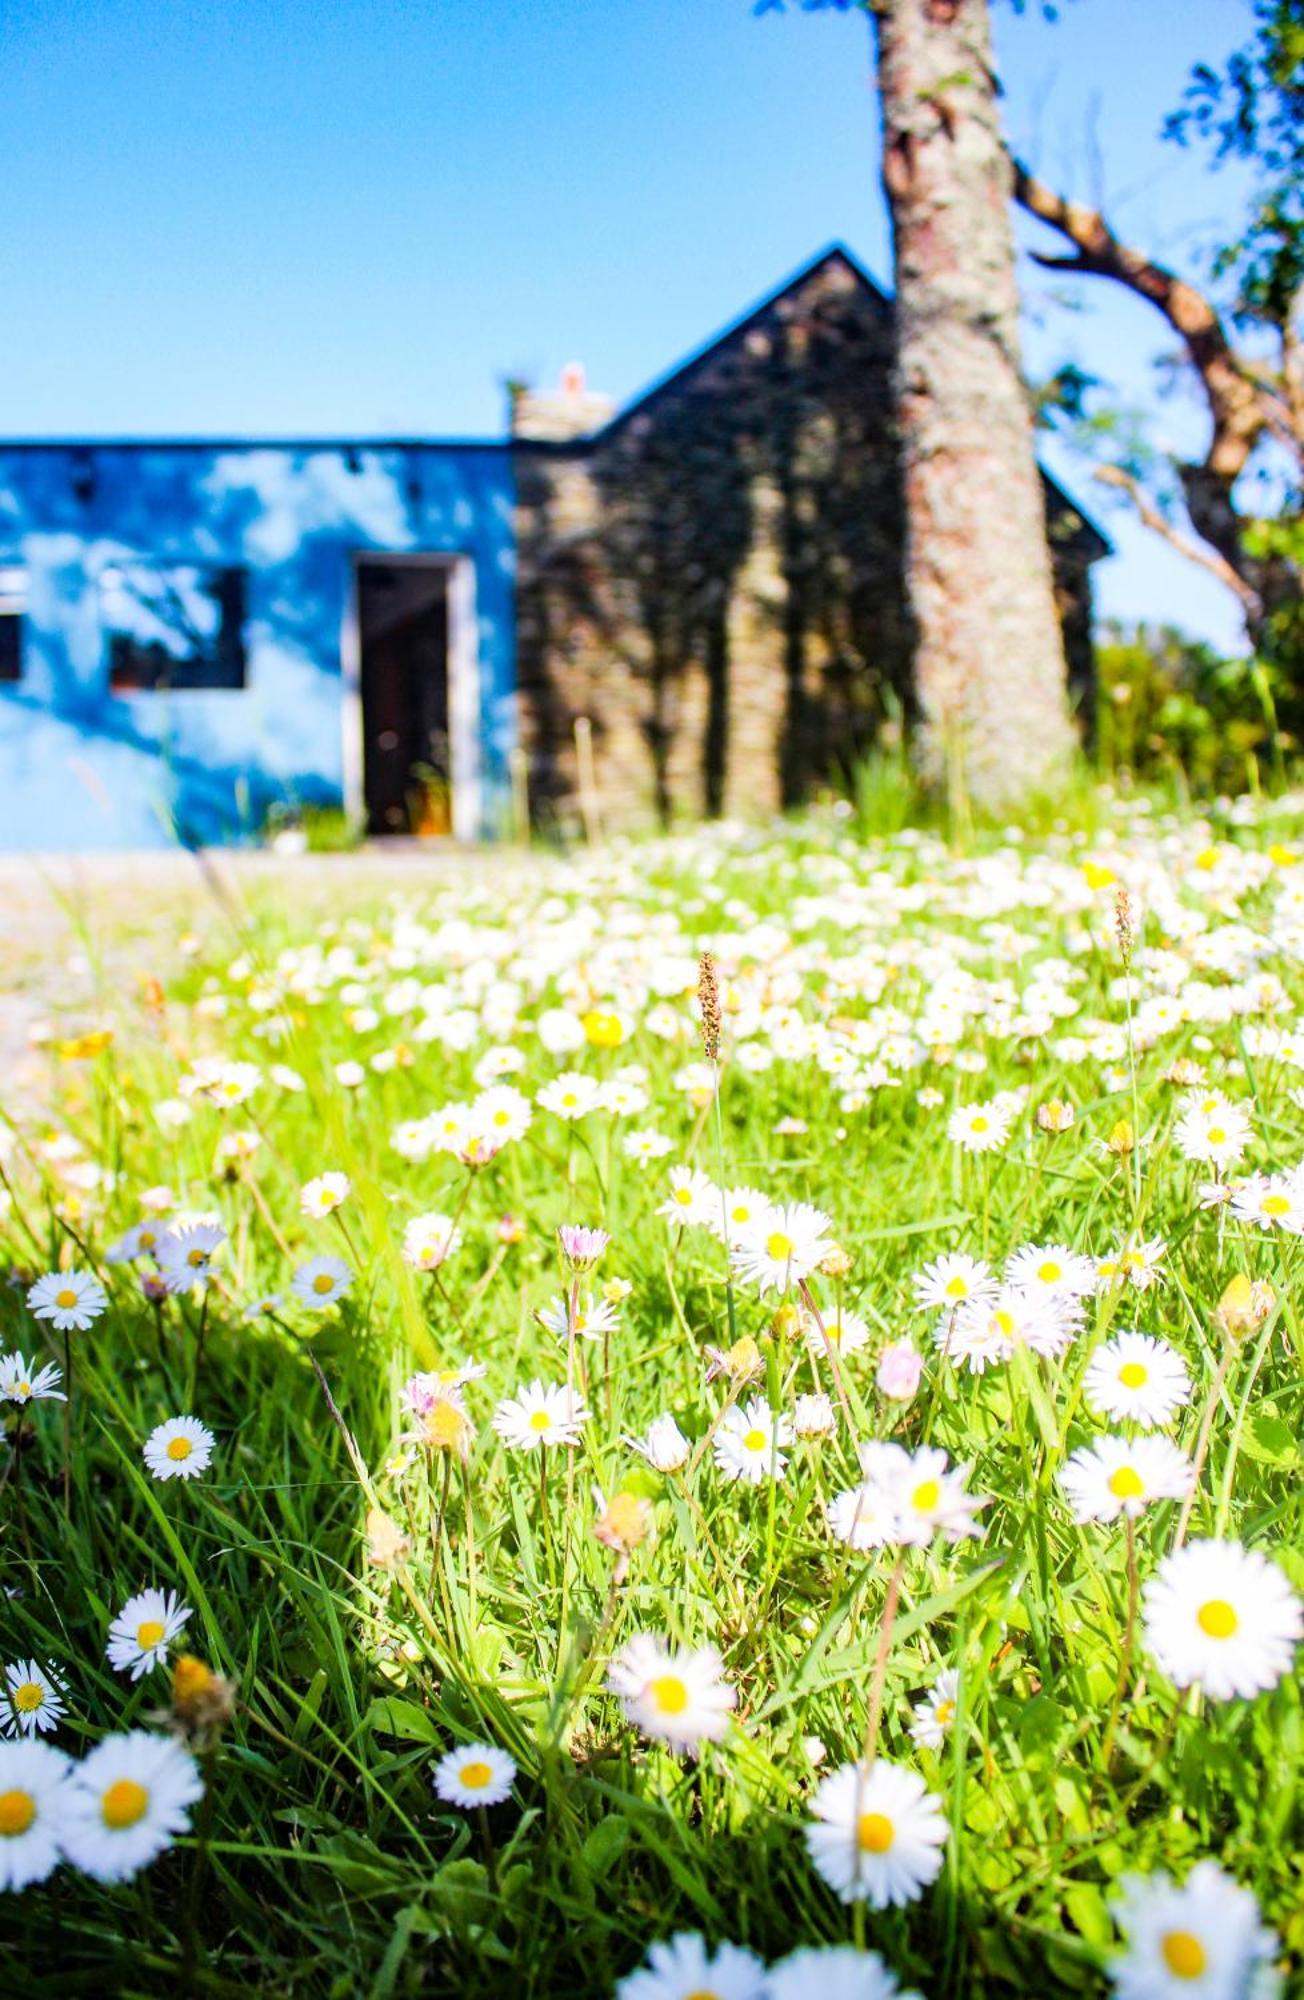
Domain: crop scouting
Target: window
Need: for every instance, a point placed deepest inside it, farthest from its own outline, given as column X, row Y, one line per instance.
column 13, row 603
column 174, row 627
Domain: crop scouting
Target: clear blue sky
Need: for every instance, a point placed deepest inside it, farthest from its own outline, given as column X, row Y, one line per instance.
column 358, row 215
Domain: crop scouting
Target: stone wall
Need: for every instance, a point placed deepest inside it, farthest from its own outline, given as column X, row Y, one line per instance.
column 715, row 579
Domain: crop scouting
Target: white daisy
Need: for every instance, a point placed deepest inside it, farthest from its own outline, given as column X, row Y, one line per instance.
column 864, row 1517
column 953, row 1280
column 70, row 1300
column 936, row 1712
column 735, row 1210
column 321, row 1281
column 683, row 1968
column 979, row 1128
column 126, row 1802
column 33, row 1802
column 1212, row 1129
column 475, row 1774
column 143, row 1630
column 833, row 1972
column 430, row 1240
column 178, row 1449
column 748, row 1440
column 593, row 1317
column 878, row 1833
column 664, row 1445
column 927, row 1492
column 185, row 1255
column 693, row 1200
column 570, row 1096
column 22, row 1382
column 35, row 1700
column 845, row 1332
column 1274, row 1201
column 813, row 1416
column 1052, row 1268
column 1222, row 1618
column 540, row 1414
column 681, row 1697
column 781, row 1247
column 322, row 1195
column 1203, row 1940
column 1123, row 1476
column 1135, row 1378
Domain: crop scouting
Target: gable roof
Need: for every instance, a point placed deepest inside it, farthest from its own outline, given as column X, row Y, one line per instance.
column 1089, row 538
column 683, row 371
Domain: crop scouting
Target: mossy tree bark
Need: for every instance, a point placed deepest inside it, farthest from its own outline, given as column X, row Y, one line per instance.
column 990, row 670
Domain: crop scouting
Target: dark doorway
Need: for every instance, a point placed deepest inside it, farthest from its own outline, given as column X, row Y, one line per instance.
column 403, row 635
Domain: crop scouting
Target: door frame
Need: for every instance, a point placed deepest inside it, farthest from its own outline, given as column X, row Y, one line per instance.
column 464, row 734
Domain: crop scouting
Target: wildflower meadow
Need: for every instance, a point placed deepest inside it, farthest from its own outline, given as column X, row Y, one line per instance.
column 717, row 1419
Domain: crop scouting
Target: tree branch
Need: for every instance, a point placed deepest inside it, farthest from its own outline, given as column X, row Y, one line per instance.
column 1206, row 559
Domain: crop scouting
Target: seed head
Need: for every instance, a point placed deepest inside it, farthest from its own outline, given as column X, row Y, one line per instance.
column 708, row 998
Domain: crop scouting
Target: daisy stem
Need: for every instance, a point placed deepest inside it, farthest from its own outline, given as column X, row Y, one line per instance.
column 198, row 1870
column 1129, row 1634
column 834, row 1369
column 724, row 1210
column 67, row 1424
column 890, row 1603
column 199, row 1348
column 1202, row 1443
column 490, row 1853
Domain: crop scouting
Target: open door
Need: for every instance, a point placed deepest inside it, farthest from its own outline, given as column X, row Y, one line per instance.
column 403, row 634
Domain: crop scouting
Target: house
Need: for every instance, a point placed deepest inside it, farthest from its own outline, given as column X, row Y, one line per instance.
column 197, row 636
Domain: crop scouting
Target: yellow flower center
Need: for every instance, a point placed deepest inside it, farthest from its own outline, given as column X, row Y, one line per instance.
column 322, row 1282
column 196, row 1258
column 1217, row 1618
column 754, row 1440
column 1276, row 1204
column 1003, row 1322
column 1125, row 1484
column 874, row 1833
column 66, row 1298
column 148, row 1238
column 684, row 1196
column 24, row 1390
column 669, row 1694
column 957, row 1288
column 979, row 1124
column 540, row 1420
column 476, row 1775
column 502, row 1118
column 926, row 1496
column 28, row 1697
column 778, row 1246
column 149, row 1634
column 1184, row 1955
column 945, row 1712
column 1216, row 1135
column 180, row 1448
column 124, row 1804
column 1132, row 1375
column 17, row 1811
column 1049, row 1272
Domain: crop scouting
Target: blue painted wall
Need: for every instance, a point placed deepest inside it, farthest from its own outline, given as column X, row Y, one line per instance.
column 81, row 766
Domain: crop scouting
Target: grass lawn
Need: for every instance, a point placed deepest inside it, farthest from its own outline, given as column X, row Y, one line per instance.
column 823, row 1593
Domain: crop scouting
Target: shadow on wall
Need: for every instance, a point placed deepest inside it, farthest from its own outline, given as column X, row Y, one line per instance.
column 102, row 531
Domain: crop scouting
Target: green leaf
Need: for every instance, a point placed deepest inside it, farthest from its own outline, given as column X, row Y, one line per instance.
column 389, row 1715
column 605, row 1844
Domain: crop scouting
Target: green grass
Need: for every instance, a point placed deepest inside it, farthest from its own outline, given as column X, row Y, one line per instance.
column 331, row 1869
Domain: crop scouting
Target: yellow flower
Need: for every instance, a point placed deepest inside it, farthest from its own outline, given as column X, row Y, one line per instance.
column 81, row 1047
column 1283, row 857
column 1122, row 1139
column 1244, row 1306
column 603, row 1030
column 1097, row 875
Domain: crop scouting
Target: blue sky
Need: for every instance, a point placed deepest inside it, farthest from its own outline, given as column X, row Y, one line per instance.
column 289, row 217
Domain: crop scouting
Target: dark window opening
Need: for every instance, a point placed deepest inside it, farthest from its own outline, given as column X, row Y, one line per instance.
column 174, row 628
column 11, row 646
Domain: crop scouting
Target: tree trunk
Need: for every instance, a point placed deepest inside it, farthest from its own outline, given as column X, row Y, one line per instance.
column 990, row 669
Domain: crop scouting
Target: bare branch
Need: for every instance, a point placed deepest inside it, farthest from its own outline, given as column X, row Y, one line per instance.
column 1206, row 559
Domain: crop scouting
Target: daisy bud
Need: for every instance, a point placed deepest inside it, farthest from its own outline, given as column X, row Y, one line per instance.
column 581, row 1247
column 788, row 1322
column 836, row 1262
column 1122, row 1139
column 445, row 1426
column 616, row 1291
column 387, row 1545
column 1244, row 1306
column 1184, row 1073
column 624, row 1522
column 1055, row 1115
column 202, row 1702
column 511, row 1229
column 154, row 1288
column 899, row 1368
